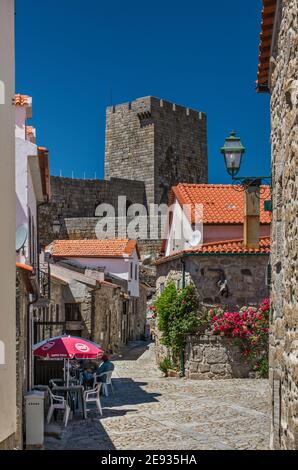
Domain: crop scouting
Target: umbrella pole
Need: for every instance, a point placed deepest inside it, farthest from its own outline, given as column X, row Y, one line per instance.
column 64, row 371
column 68, row 372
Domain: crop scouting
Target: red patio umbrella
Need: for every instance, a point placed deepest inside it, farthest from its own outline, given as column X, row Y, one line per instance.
column 67, row 347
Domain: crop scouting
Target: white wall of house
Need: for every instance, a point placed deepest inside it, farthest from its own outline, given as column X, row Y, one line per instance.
column 7, row 217
column 181, row 231
column 124, row 268
column 28, row 189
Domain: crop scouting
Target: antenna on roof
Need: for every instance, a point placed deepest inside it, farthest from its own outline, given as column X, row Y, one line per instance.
column 72, row 174
column 60, row 172
column 84, row 175
column 95, row 175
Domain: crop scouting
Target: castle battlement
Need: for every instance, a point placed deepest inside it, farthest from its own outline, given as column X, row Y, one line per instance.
column 158, row 142
column 150, row 103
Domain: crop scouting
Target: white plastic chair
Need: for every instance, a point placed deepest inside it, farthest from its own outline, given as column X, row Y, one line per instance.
column 92, row 396
column 58, row 403
column 106, row 383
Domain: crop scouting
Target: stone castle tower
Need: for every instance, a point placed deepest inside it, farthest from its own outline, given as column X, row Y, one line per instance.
column 157, row 142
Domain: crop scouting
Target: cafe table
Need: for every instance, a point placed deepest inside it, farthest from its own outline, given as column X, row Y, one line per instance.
column 67, row 391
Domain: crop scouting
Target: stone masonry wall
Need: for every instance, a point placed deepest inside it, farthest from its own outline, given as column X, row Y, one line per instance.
column 213, row 357
column 284, row 258
column 75, row 198
column 245, row 276
column 80, row 228
column 157, row 142
column 207, row 357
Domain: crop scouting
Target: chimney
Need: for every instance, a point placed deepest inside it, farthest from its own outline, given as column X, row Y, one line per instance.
column 251, row 227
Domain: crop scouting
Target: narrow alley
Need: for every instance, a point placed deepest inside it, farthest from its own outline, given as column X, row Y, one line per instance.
column 148, row 411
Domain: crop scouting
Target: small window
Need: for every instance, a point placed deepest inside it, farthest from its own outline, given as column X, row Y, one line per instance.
column 72, row 312
column 136, row 272
column 131, row 270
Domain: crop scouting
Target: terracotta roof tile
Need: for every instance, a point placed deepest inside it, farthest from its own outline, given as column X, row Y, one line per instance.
column 222, row 204
column 30, row 131
column 223, row 247
column 267, row 25
column 25, row 267
column 22, row 100
column 114, row 248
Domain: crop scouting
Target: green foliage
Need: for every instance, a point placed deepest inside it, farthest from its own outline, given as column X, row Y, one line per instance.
column 177, row 315
column 165, row 365
column 263, row 368
column 165, row 305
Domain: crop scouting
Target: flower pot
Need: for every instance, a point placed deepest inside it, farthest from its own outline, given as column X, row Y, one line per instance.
column 172, row 373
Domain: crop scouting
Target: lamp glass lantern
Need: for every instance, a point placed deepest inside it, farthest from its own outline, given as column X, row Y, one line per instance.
column 233, row 151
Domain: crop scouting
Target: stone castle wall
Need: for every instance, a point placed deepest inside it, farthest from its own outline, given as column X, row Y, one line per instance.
column 284, row 257
column 157, row 142
column 76, row 198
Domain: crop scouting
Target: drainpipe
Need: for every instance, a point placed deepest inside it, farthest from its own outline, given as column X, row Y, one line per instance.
column 183, row 272
column 182, row 353
column 30, row 332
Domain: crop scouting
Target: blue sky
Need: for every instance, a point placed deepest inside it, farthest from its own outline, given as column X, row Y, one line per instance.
column 70, row 54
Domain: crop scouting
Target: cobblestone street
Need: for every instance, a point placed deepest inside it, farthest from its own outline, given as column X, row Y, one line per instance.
column 152, row 412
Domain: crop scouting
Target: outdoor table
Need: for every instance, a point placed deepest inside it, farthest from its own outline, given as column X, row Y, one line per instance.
column 78, row 389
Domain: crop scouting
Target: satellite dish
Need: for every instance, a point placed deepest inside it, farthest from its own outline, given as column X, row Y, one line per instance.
column 195, row 238
column 21, row 237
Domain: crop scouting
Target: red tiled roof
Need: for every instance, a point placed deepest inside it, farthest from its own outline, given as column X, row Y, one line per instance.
column 30, row 130
column 22, row 100
column 267, row 25
column 109, row 284
column 223, row 247
column 222, row 203
column 26, row 270
column 115, row 248
column 25, row 267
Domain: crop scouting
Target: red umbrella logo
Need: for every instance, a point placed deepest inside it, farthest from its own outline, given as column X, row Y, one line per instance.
column 48, row 346
column 82, row 347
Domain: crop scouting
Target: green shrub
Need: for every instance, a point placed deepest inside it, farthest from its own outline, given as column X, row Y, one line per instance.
column 165, row 365
column 177, row 315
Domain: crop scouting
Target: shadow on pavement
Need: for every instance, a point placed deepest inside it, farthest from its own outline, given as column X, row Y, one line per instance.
column 128, row 392
column 132, row 351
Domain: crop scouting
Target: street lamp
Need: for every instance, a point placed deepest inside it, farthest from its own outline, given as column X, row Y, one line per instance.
column 233, row 151
column 251, row 185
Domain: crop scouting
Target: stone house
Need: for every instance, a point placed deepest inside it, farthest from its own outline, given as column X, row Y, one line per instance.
column 211, row 264
column 214, row 211
column 84, row 304
column 278, row 74
column 118, row 257
column 32, row 187
column 95, row 292
column 221, row 267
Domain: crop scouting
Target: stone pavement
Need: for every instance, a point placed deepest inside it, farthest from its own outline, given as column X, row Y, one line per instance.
column 149, row 411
